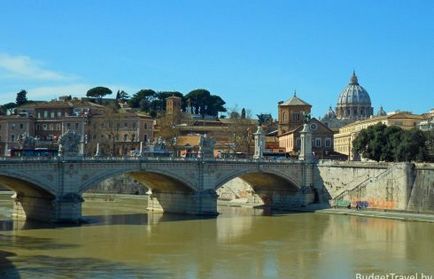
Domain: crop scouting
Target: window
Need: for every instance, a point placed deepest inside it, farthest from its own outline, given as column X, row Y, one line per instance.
column 283, row 116
column 145, row 138
column 52, row 114
column 76, row 126
column 59, row 114
column 125, row 137
column 328, row 142
column 39, row 115
column 134, row 125
column 318, row 142
column 68, row 125
column 45, row 114
column 21, row 126
column 44, row 127
column 126, row 124
column 298, row 142
column 13, row 126
column 12, row 138
column 133, row 137
column 146, row 126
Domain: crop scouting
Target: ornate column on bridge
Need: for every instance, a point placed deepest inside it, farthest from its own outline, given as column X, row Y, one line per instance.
column 69, row 144
column 259, row 143
column 306, row 156
column 306, row 144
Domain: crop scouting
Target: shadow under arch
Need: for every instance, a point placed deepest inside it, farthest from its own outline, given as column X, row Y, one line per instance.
column 262, row 180
column 157, row 181
column 168, row 192
column 275, row 190
column 31, row 201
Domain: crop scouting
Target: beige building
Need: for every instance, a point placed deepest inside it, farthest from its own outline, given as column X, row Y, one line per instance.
column 47, row 121
column 118, row 133
column 291, row 114
column 322, row 140
column 344, row 139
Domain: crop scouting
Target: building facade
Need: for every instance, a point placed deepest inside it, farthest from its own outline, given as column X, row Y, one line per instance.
column 46, row 122
column 354, row 102
column 291, row 114
column 322, row 140
column 343, row 141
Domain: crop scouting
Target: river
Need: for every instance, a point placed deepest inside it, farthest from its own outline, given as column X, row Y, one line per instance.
column 125, row 242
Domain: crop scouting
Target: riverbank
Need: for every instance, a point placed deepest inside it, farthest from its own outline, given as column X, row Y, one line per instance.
column 404, row 216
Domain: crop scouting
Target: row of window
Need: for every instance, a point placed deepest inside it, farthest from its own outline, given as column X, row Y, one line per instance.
column 14, row 125
column 317, row 142
column 296, row 116
column 118, row 125
column 126, row 138
column 51, row 114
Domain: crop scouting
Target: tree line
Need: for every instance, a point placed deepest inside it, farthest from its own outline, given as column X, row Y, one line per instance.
column 393, row 144
column 198, row 101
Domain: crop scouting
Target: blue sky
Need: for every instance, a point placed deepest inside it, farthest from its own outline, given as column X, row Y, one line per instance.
column 251, row 53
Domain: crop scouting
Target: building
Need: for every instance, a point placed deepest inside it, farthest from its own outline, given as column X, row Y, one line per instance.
column 291, row 114
column 344, row 139
column 428, row 123
column 353, row 104
column 291, row 117
column 173, row 104
column 46, row 122
column 322, row 140
column 118, row 133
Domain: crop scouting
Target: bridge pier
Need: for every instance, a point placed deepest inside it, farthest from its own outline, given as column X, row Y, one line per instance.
column 28, row 207
column 67, row 208
column 193, row 203
column 285, row 200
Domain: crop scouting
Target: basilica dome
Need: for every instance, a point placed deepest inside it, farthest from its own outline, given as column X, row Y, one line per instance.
column 354, row 101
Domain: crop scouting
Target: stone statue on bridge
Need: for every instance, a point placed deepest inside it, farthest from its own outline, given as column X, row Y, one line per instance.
column 206, row 147
column 26, row 141
column 69, row 144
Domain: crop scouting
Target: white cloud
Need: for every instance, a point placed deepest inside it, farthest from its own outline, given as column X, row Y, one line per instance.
column 25, row 67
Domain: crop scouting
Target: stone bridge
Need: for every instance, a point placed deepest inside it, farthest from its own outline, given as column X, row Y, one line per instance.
column 51, row 189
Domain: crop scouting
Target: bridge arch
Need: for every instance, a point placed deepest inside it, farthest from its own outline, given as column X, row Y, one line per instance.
column 32, row 200
column 256, row 177
column 20, row 182
column 275, row 189
column 156, row 180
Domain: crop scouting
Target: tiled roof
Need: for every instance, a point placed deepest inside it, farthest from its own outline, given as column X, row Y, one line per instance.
column 295, row 101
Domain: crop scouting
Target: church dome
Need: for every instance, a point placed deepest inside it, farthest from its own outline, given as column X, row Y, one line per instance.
column 354, row 94
column 354, row 102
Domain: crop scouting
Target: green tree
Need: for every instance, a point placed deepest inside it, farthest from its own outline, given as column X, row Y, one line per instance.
column 143, row 99
column 383, row 143
column 159, row 103
column 243, row 113
column 121, row 95
column 8, row 107
column 98, row 92
column 21, row 98
column 203, row 102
